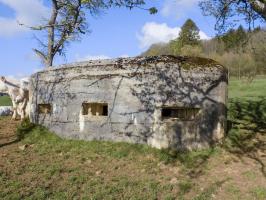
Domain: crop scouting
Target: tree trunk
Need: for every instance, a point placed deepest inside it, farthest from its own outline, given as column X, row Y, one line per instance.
column 51, row 29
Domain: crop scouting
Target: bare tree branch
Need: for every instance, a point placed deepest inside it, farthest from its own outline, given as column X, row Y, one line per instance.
column 68, row 21
column 69, row 29
column 227, row 12
column 40, row 54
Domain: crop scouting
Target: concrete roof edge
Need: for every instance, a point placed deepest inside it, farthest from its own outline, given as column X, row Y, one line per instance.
column 185, row 61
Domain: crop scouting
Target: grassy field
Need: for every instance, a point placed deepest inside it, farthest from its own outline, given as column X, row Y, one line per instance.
column 239, row 89
column 36, row 164
column 5, row 101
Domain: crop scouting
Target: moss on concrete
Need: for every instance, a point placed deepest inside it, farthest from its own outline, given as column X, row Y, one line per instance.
column 185, row 62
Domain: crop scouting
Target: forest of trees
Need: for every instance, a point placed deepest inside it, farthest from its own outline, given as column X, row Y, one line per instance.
column 242, row 52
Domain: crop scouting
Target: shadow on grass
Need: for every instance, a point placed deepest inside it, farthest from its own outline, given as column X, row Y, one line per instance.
column 24, row 128
column 247, row 134
column 193, row 162
column 9, row 143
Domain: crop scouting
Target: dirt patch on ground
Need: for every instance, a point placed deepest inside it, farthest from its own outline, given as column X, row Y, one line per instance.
column 7, row 131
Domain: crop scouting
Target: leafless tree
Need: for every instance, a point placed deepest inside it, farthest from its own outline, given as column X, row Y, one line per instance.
column 68, row 21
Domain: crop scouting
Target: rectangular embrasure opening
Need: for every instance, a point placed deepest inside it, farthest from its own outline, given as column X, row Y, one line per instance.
column 95, row 109
column 181, row 113
column 44, row 108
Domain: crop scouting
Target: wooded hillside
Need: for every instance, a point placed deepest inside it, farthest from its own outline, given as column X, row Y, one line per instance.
column 242, row 52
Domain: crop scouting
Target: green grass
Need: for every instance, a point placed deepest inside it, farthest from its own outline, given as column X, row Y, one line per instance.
column 250, row 175
column 234, row 190
column 246, row 115
column 32, row 134
column 185, row 186
column 208, row 193
column 241, row 90
column 102, row 186
column 93, row 169
column 5, row 101
column 259, row 193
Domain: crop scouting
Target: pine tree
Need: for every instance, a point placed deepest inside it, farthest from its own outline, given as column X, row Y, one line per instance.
column 235, row 39
column 189, row 34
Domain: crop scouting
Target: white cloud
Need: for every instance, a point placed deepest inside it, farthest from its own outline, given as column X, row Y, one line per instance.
column 91, row 57
column 96, row 57
column 124, row 56
column 28, row 12
column 177, row 8
column 153, row 32
column 204, row 36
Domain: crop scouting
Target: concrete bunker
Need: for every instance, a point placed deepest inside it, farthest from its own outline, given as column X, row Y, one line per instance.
column 162, row 101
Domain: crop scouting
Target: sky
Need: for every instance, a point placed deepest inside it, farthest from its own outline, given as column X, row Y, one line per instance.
column 118, row 32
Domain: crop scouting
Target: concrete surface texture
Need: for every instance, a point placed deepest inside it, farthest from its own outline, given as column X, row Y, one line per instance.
column 162, row 101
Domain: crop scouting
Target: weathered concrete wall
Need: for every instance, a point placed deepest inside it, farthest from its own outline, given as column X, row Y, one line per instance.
column 135, row 90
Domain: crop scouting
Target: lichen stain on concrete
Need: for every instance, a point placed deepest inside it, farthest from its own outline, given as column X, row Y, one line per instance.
column 132, row 92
